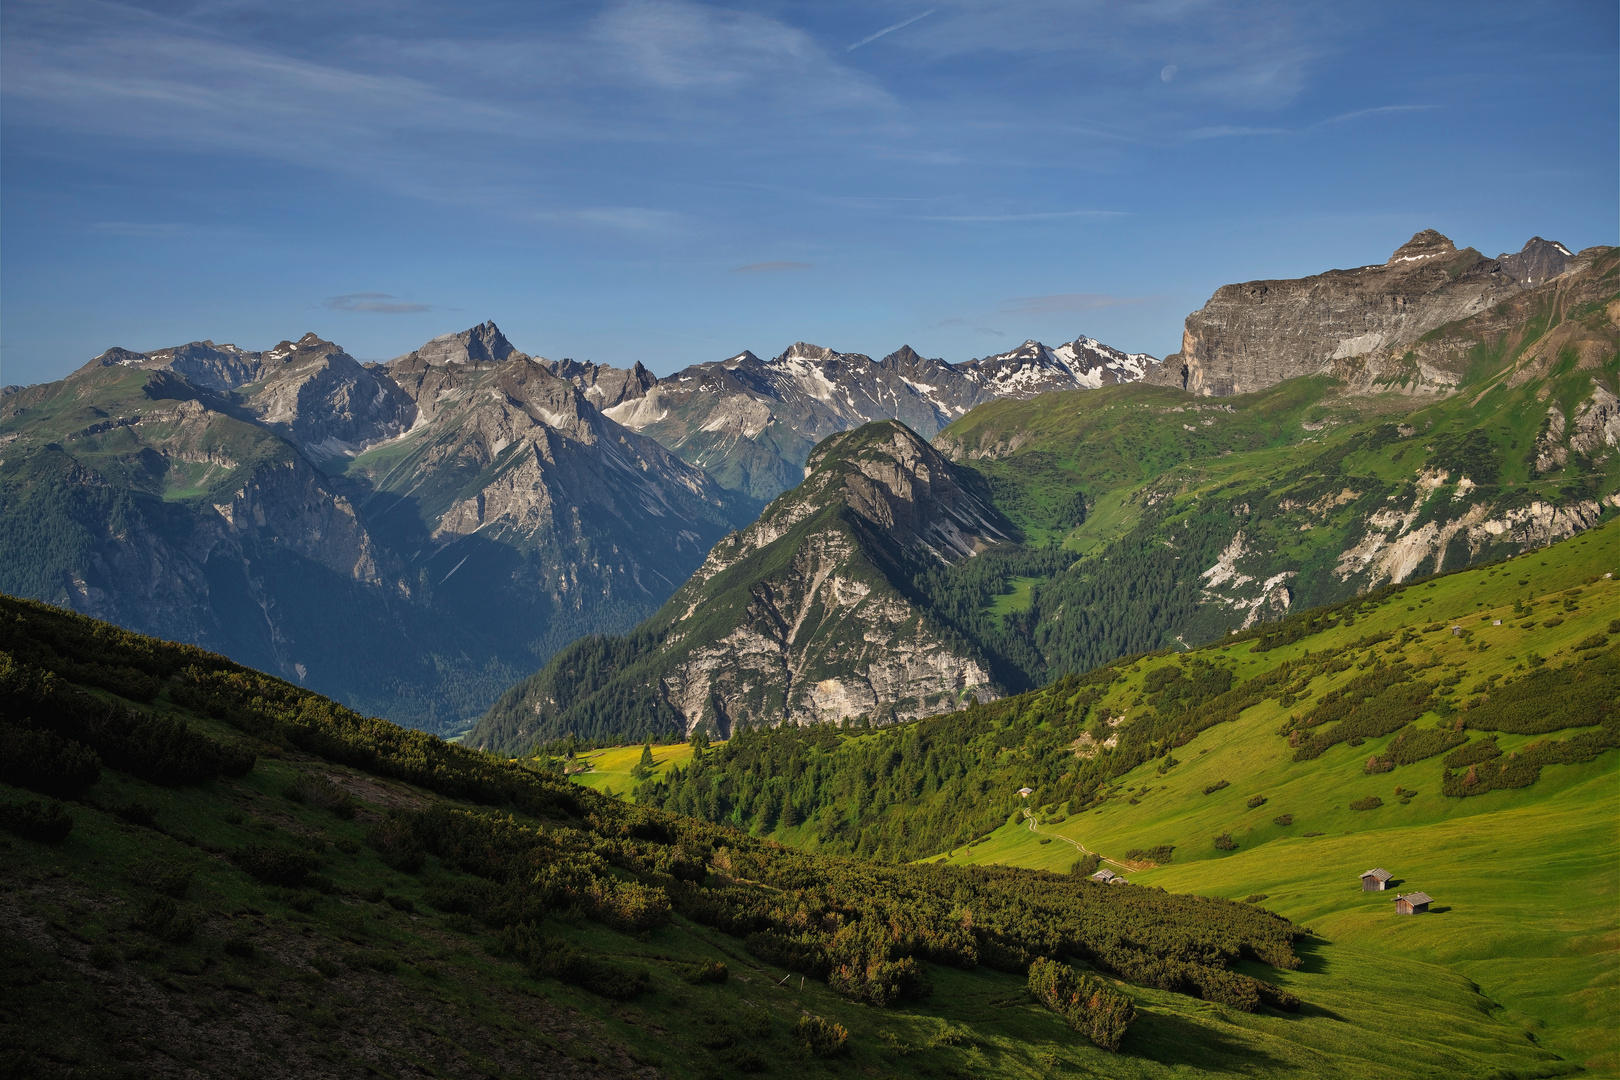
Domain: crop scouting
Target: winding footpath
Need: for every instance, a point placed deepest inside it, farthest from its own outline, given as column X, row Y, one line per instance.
column 1078, row 846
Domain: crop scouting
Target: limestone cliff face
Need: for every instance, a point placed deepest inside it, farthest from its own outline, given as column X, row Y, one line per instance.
column 1259, row 333
column 808, row 615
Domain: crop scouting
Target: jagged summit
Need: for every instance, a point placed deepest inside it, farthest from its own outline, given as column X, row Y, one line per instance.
column 1538, row 261
column 1427, row 244
column 483, row 343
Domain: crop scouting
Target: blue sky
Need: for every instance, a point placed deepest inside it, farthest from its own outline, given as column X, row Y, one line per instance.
column 672, row 182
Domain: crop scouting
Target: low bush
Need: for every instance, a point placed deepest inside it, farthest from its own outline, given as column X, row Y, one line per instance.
column 165, row 876
column 320, row 792
column 1086, row 865
column 707, row 971
column 45, row 822
column 1283, row 819
column 396, row 843
column 276, row 865
column 1255, row 898
column 1160, row 854
column 45, row 762
column 557, row 959
column 1216, row 786
column 1371, row 802
column 163, row 918
column 1256, row 802
column 820, row 1036
column 240, row 945
column 1086, row 1003
column 1224, row 842
column 1475, row 752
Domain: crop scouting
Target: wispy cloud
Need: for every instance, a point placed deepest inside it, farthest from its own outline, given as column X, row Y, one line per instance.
column 781, row 267
column 1224, row 131
column 890, row 29
column 1067, row 303
column 374, row 303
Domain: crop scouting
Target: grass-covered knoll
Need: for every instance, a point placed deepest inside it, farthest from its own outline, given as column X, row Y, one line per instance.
column 365, row 898
column 616, row 770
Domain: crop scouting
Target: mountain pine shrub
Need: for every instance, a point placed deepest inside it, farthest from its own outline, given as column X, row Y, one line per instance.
column 1086, row 1003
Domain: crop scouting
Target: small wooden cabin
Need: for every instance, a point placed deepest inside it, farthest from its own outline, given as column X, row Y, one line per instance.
column 1104, row 876
column 1413, row 903
column 1374, row 879
column 1117, row 880
column 1026, row 792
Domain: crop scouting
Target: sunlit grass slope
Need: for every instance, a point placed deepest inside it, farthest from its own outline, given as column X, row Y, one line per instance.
column 611, row 770
column 1526, row 881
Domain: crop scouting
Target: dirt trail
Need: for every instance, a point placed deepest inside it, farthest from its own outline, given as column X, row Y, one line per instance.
column 1078, row 846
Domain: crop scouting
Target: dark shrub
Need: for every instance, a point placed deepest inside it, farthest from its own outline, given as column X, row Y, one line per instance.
column 320, row 792
column 163, row 875
column 43, row 822
column 708, row 971
column 396, row 844
column 1371, row 802
column 1255, row 898
column 162, row 918
column 1475, row 752
column 400, row 903
column 104, row 956
column 276, row 865
column 1283, row 819
column 1256, row 802
column 45, row 762
column 557, row 959
column 821, row 1037
column 239, row 944
column 1216, row 786
column 137, row 813
column 1086, row 865
column 1224, row 842
column 1089, row 1005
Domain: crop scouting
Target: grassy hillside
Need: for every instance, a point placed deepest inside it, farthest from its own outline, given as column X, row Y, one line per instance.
column 1150, row 761
column 611, row 770
column 246, row 879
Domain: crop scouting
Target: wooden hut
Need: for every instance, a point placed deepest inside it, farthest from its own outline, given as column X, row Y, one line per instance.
column 1375, row 879
column 1117, row 880
column 1412, row 903
column 1026, row 792
column 1104, row 876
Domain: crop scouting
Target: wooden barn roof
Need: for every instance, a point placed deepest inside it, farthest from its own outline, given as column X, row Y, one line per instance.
column 1378, row 872
column 1416, row 898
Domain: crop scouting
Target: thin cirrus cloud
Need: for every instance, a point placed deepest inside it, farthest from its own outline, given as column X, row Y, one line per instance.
column 891, row 29
column 374, row 303
column 777, row 267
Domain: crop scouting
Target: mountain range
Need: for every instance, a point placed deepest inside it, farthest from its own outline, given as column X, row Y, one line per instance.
column 471, row 507
column 1136, row 517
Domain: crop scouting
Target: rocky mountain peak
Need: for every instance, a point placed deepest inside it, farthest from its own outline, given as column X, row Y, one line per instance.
column 482, row 344
column 892, row 477
column 745, row 357
column 1538, row 261
column 1424, row 245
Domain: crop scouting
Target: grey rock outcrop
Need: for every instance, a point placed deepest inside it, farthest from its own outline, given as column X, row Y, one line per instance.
column 1259, row 333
